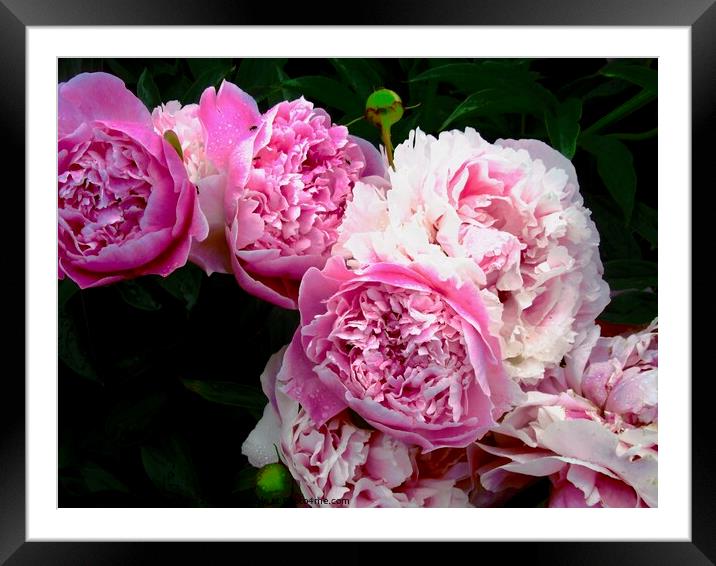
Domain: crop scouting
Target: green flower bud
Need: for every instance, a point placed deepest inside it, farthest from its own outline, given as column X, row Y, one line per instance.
column 273, row 483
column 383, row 108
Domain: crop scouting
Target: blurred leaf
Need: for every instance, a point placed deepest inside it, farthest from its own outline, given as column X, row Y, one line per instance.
column 637, row 74
column 258, row 76
column 130, row 419
column 469, row 77
column 184, row 284
column 325, row 92
column 631, row 307
column 163, row 67
column 495, row 100
column 616, row 168
column 631, row 274
column 644, row 222
column 201, row 66
column 72, row 347
column 608, row 88
column 211, row 75
column 563, row 126
column 245, row 479
column 136, row 294
column 227, row 393
column 616, row 242
column 631, row 105
column 66, row 288
column 170, row 468
column 97, row 479
column 363, row 75
column 176, row 90
column 117, row 67
column 147, row 90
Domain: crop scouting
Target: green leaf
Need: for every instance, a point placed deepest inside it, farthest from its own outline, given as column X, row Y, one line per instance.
column 169, row 466
column 147, row 90
column 615, row 241
column 608, row 88
column 173, row 139
column 72, row 346
column 325, row 92
column 201, row 66
column 636, row 74
column 130, row 419
column 631, row 274
column 644, row 222
column 66, row 289
column 245, row 480
column 495, row 100
column 121, row 71
column 631, row 307
column 563, row 126
column 211, row 75
column 616, row 168
column 183, row 284
column 258, row 76
column 227, row 393
column 97, row 479
column 137, row 295
column 363, row 75
column 631, row 105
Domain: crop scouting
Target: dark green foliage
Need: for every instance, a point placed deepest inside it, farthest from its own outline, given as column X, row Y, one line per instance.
column 158, row 377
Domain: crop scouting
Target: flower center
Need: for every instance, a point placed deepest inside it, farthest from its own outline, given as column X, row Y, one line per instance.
column 104, row 191
column 403, row 349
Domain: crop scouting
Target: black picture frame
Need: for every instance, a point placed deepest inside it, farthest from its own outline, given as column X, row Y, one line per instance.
column 16, row 15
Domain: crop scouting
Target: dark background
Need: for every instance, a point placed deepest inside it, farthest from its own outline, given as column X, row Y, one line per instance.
column 158, row 378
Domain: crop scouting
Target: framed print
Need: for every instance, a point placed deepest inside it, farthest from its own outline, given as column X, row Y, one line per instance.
column 399, row 264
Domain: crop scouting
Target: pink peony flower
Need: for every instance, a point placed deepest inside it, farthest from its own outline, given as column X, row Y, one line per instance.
column 599, row 448
column 286, row 177
column 125, row 205
column 341, row 459
column 184, row 122
column 510, row 215
column 407, row 350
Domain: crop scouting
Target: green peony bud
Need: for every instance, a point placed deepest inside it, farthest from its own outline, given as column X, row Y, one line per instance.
column 383, row 109
column 273, row 483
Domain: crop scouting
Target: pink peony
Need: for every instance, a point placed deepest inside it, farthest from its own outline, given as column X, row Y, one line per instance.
column 341, row 459
column 407, row 350
column 599, row 448
column 510, row 215
column 184, row 122
column 125, row 205
column 286, row 177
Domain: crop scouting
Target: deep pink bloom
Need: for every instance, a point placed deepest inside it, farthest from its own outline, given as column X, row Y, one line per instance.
column 343, row 459
column 125, row 204
column 287, row 176
column 406, row 349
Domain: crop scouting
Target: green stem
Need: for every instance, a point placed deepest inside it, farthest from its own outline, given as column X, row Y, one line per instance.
column 637, row 137
column 624, row 110
column 385, row 137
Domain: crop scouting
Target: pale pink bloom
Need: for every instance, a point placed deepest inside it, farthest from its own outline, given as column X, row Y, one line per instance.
column 406, row 349
column 125, row 204
column 340, row 459
column 285, row 178
column 184, row 122
column 590, row 460
column 510, row 215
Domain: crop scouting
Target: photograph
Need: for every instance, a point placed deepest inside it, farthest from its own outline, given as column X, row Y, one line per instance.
column 357, row 282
